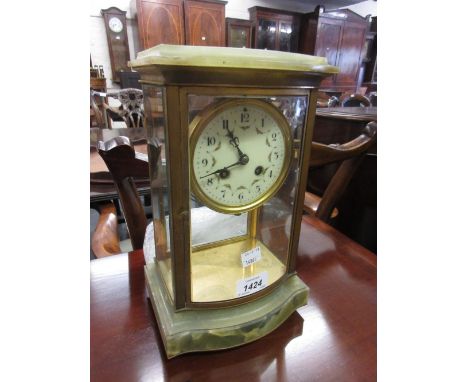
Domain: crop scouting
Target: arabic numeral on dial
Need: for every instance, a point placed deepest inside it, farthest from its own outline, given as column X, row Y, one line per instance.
column 225, row 124
column 204, row 162
column 276, row 155
column 258, row 188
column 211, row 141
column 223, row 193
column 273, row 137
column 210, row 181
column 245, row 117
column 241, row 196
column 271, row 174
column 263, row 122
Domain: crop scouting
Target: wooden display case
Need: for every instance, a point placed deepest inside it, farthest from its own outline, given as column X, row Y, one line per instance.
column 204, row 22
column 238, row 33
column 275, row 29
column 339, row 36
column 160, row 22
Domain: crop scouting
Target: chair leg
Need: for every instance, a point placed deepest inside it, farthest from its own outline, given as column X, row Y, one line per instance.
column 337, row 186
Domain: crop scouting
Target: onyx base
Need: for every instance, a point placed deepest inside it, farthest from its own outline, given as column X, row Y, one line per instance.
column 215, row 329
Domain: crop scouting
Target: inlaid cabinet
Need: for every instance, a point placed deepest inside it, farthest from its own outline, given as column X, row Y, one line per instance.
column 204, row 22
column 180, row 22
column 160, row 22
column 339, row 36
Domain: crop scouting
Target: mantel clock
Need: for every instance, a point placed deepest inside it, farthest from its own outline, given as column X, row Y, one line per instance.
column 229, row 131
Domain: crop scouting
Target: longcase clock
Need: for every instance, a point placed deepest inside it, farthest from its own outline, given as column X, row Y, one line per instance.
column 117, row 40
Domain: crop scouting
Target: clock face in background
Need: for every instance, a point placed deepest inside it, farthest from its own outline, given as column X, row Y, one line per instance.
column 115, row 25
column 240, row 152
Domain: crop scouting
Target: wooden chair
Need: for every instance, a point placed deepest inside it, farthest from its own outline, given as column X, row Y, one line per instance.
column 322, row 99
column 125, row 165
column 131, row 108
column 350, row 100
column 349, row 155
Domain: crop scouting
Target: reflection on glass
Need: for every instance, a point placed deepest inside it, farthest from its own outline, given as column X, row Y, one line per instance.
column 266, row 34
column 286, row 37
column 238, row 37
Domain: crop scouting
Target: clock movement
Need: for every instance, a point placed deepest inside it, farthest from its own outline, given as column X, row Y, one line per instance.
column 229, row 132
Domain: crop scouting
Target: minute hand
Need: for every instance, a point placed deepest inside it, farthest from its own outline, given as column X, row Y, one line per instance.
column 223, row 170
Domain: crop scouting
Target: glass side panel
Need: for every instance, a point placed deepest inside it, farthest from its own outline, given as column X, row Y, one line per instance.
column 266, row 34
column 221, row 241
column 274, row 223
column 159, row 169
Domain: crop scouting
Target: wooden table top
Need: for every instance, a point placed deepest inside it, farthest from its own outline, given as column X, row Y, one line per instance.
column 349, row 113
column 333, row 338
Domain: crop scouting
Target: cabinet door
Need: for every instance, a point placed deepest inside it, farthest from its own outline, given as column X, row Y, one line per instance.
column 349, row 60
column 287, row 37
column 204, row 23
column 238, row 36
column 266, row 34
column 160, row 22
column 328, row 44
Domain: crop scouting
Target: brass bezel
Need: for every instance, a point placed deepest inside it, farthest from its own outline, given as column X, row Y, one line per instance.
column 205, row 117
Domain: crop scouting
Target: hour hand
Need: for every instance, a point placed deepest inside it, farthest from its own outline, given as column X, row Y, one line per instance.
column 233, row 140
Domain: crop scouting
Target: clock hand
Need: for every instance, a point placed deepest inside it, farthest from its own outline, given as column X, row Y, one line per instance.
column 224, row 172
column 235, row 142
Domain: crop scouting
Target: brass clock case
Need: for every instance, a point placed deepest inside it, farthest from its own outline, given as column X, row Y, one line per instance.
column 201, row 121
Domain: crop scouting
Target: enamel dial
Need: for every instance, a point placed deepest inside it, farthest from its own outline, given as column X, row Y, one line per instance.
column 115, row 25
column 240, row 151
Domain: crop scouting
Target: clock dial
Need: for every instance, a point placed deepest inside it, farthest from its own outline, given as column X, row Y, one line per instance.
column 240, row 155
column 115, row 25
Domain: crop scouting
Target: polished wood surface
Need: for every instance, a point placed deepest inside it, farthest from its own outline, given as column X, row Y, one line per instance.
column 340, row 36
column 349, row 155
column 204, row 22
column 333, row 338
column 341, row 124
column 312, row 202
column 160, row 22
